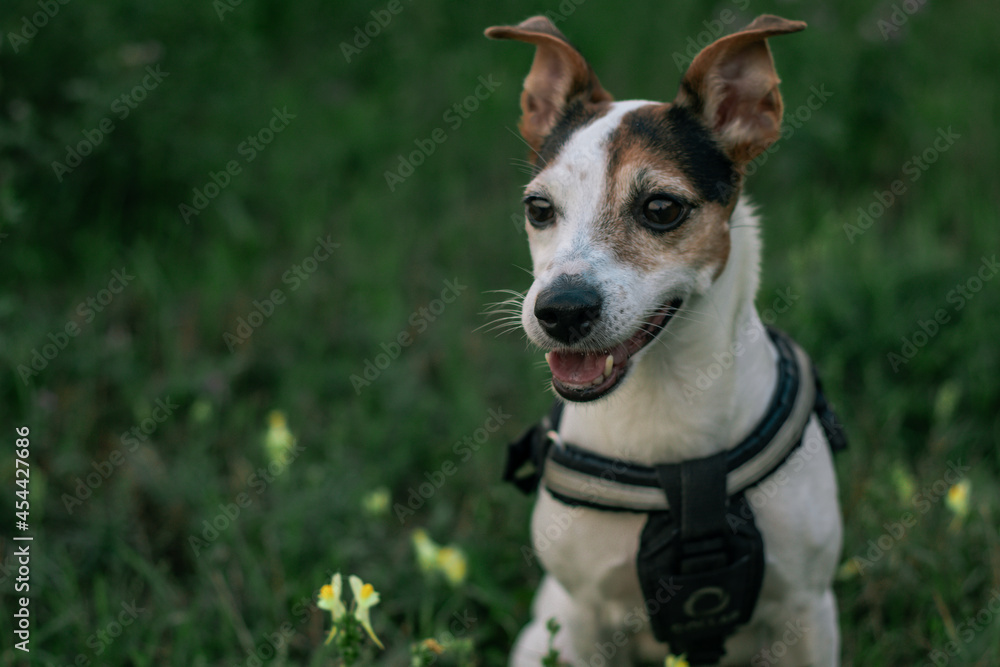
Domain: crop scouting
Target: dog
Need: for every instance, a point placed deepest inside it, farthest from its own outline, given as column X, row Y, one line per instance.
column 645, row 268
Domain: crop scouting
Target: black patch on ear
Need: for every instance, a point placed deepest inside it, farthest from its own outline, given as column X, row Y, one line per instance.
column 575, row 116
column 695, row 102
column 681, row 138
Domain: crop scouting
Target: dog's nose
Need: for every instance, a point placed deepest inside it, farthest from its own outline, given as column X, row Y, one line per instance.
column 567, row 310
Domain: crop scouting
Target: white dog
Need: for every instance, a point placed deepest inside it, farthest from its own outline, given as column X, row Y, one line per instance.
column 687, row 499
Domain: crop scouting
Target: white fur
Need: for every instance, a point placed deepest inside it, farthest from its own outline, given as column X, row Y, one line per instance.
column 657, row 415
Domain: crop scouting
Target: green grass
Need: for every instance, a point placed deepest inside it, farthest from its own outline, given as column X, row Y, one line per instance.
column 162, row 336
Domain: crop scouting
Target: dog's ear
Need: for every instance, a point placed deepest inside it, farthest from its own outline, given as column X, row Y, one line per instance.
column 732, row 86
column 559, row 76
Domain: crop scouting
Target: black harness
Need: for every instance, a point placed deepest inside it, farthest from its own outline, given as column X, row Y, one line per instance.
column 701, row 556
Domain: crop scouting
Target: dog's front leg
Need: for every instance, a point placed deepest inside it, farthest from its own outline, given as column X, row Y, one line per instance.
column 815, row 638
column 551, row 601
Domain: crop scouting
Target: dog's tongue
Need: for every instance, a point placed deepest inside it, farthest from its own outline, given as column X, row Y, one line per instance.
column 576, row 367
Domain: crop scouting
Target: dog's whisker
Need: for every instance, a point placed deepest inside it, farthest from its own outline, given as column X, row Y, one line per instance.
column 503, row 291
column 526, row 167
column 501, row 309
column 512, row 303
column 522, row 140
column 499, row 312
column 502, row 327
column 528, row 271
column 513, row 293
column 512, row 322
column 514, row 300
column 503, row 320
column 509, row 320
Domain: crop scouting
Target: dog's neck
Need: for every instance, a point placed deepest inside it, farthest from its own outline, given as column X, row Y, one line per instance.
column 703, row 384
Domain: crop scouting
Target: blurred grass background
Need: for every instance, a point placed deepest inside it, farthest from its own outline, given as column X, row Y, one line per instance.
column 323, row 176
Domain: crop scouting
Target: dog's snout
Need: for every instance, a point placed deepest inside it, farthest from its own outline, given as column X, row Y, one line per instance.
column 567, row 310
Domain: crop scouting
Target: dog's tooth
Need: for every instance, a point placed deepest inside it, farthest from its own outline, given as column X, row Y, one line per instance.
column 548, row 358
column 608, row 365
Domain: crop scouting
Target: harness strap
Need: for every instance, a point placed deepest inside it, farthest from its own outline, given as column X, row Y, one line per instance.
column 526, row 455
column 579, row 477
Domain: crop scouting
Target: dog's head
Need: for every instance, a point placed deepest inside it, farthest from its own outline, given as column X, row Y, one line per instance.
column 628, row 214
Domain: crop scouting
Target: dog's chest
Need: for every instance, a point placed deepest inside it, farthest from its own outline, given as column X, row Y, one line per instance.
column 593, row 551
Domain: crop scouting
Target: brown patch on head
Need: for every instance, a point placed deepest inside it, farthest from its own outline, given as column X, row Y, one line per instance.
column 561, row 87
column 660, row 149
column 670, row 136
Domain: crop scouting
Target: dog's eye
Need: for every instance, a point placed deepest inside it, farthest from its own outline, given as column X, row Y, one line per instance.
column 661, row 214
column 540, row 211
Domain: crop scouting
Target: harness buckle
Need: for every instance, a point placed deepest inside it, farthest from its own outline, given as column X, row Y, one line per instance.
column 526, row 456
column 700, row 574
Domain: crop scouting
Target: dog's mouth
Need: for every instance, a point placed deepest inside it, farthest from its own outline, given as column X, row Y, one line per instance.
column 587, row 376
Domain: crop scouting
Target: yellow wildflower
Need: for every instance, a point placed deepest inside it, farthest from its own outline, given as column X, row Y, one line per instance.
column 278, row 440
column 427, row 550
column 676, row 661
column 958, row 502
column 451, row 562
column 365, row 597
column 376, row 502
column 330, row 599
